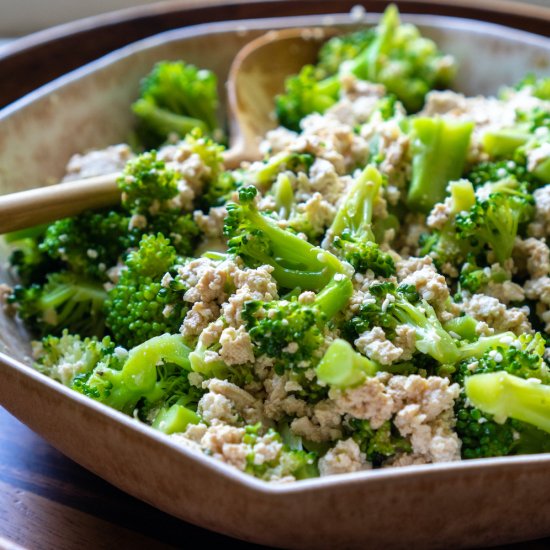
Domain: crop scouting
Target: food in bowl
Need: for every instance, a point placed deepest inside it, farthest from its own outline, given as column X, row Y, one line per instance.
column 373, row 294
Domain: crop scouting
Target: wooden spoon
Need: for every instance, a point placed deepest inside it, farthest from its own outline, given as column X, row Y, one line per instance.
column 257, row 74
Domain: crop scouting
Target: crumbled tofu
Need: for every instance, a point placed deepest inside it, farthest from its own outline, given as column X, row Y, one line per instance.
column 98, row 163
column 198, row 318
column 489, row 310
column 373, row 344
column 536, row 255
column 250, row 284
column 369, row 401
column 236, row 346
column 343, row 458
column 211, row 224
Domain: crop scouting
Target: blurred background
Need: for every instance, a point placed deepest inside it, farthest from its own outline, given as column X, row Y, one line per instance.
column 18, row 17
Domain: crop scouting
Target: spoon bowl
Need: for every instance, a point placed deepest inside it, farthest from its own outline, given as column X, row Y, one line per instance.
column 257, row 75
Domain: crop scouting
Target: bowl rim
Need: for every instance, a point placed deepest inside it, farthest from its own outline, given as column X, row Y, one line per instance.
column 268, row 488
column 270, row 23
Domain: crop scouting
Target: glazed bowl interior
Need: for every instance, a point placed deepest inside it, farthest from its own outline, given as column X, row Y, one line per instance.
column 89, row 108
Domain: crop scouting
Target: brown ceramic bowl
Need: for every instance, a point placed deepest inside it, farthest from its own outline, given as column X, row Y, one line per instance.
column 468, row 503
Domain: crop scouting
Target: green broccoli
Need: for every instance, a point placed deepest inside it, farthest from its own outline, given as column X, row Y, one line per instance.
column 494, row 222
column 439, row 149
column 396, row 305
column 295, row 462
column 482, row 431
column 351, row 233
column 140, row 306
column 377, row 444
column 305, row 94
column 153, row 371
column 258, row 240
column 539, row 86
column 505, row 396
column 90, row 243
column 64, row 301
column 65, row 357
column 342, row 367
column 392, row 54
column 474, row 278
column 341, row 49
column 176, row 98
column 264, row 174
column 294, row 333
column 30, row 263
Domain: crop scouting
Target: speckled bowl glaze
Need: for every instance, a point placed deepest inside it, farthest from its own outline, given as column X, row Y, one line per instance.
column 464, row 504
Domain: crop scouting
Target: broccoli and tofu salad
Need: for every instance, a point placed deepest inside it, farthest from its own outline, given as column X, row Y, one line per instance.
column 375, row 293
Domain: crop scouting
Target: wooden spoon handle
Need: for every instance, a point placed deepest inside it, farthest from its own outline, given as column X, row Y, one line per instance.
column 55, row 202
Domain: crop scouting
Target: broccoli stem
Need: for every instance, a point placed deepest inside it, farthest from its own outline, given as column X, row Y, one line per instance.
column 175, row 419
column 356, row 212
column 334, row 297
column 431, row 338
column 439, row 154
column 507, row 396
column 484, row 344
column 342, row 367
column 503, row 143
column 296, row 263
column 284, row 196
column 139, row 371
column 542, row 171
column 166, row 122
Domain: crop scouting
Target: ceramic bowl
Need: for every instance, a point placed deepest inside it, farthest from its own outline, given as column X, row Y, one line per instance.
column 470, row 503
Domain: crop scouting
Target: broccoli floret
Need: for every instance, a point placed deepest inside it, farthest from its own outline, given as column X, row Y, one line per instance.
column 264, row 174
column 392, row 54
column 291, row 332
column 340, row 49
column 259, row 241
column 174, row 99
column 494, row 222
column 154, row 372
column 380, row 444
column 351, row 233
column 220, row 190
column 396, row 305
column 439, row 149
column 482, row 431
column 295, row 462
column 502, row 170
column 65, row 301
column 90, row 243
column 65, row 357
column 474, row 278
column 30, row 263
column 146, row 181
column 505, row 396
column 305, row 94
column 539, row 86
column 342, row 367
column 139, row 306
